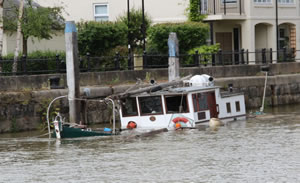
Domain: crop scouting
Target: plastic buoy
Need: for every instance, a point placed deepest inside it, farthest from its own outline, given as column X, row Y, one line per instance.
column 131, row 125
column 177, row 125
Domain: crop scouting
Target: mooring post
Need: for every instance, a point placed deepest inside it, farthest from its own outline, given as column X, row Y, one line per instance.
column 72, row 71
column 173, row 57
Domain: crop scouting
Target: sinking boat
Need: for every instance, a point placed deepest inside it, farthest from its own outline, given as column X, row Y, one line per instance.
column 196, row 102
column 71, row 130
column 67, row 130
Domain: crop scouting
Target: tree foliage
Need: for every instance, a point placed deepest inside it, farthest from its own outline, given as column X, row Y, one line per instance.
column 194, row 11
column 37, row 21
column 98, row 38
column 189, row 34
column 135, row 26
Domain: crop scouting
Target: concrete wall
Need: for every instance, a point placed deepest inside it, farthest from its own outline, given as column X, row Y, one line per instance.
column 41, row 82
column 160, row 11
column 57, row 43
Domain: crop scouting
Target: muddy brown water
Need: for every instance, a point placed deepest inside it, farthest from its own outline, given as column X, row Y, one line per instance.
column 261, row 149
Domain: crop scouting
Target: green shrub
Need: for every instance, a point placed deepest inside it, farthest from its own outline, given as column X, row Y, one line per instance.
column 205, row 51
column 194, row 11
column 189, row 34
column 99, row 37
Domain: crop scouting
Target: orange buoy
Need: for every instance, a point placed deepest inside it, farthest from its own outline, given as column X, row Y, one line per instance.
column 177, row 125
column 131, row 125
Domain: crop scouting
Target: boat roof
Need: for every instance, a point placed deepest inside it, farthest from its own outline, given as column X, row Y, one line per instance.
column 178, row 90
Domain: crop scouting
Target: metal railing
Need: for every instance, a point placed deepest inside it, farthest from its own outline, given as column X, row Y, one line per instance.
column 214, row 7
column 119, row 62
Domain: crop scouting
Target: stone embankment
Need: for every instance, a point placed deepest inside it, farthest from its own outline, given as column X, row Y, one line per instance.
column 24, row 99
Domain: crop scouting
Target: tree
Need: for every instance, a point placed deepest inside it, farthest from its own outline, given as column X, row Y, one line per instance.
column 39, row 22
column 135, row 26
column 1, row 30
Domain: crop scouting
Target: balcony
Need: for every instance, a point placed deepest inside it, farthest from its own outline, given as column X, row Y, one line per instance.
column 223, row 9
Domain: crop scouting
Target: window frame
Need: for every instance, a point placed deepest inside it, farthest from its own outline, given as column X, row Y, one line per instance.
column 263, row 3
column 285, row 3
column 228, row 107
column 237, row 106
column 136, row 107
column 150, row 114
column 101, row 15
column 186, row 100
column 229, row 1
column 196, row 95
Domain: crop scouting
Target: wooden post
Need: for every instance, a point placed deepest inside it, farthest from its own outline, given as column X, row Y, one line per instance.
column 173, row 57
column 72, row 71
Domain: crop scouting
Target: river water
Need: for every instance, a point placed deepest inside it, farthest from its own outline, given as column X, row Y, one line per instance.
column 262, row 149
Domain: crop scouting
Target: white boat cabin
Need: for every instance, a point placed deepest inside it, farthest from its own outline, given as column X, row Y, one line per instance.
column 185, row 106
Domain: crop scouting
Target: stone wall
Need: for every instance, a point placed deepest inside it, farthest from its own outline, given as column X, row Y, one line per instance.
column 24, row 100
column 281, row 89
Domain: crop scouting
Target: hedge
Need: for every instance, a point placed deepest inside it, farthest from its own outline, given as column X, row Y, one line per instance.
column 99, row 37
column 189, row 34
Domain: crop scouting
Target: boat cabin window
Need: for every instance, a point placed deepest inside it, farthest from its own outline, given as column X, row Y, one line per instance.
column 200, row 101
column 176, row 104
column 129, row 107
column 228, row 107
column 237, row 106
column 150, row 105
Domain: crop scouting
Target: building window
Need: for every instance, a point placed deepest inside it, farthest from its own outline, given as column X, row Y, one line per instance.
column 101, row 12
column 237, row 106
column 228, row 1
column 228, row 107
column 263, row 1
column 283, row 39
column 203, row 6
column 286, row 1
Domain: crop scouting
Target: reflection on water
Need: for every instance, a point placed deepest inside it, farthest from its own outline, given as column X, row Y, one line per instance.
column 263, row 149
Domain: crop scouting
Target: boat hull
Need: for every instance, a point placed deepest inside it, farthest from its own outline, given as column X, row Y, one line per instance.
column 70, row 132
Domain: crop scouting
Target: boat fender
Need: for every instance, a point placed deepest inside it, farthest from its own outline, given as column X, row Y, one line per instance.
column 177, row 125
column 215, row 122
column 107, row 130
column 56, row 128
column 180, row 119
column 180, row 125
column 131, row 125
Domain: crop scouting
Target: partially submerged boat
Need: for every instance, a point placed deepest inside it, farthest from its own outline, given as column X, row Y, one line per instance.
column 179, row 104
column 72, row 130
column 68, row 130
column 178, row 107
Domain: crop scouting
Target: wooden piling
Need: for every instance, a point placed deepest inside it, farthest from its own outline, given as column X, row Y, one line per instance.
column 72, row 71
column 173, row 57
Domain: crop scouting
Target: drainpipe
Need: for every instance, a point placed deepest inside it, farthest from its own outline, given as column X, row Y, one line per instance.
column 128, row 35
column 144, row 26
column 276, row 19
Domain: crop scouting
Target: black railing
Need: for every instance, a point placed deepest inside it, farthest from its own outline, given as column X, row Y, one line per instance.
column 214, row 7
column 88, row 63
